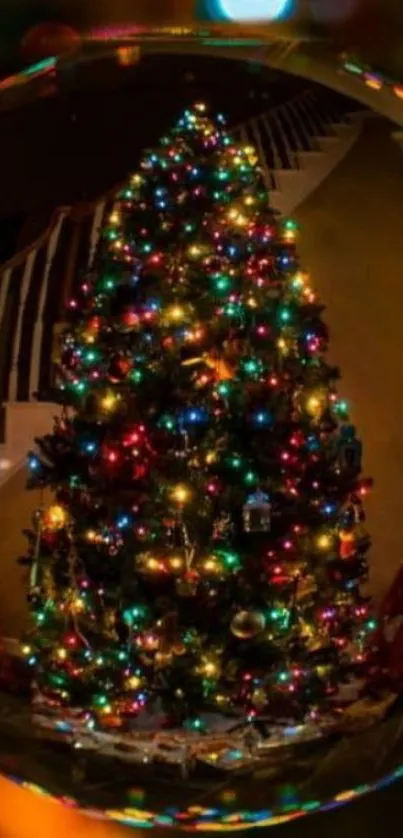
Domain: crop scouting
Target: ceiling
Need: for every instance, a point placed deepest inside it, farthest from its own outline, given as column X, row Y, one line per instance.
column 372, row 29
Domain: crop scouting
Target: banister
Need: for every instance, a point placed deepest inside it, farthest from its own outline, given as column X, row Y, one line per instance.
column 85, row 208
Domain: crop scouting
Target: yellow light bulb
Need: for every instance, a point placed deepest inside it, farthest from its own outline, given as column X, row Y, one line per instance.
column 313, row 404
column 181, row 494
column 109, row 402
column 175, row 313
column 241, row 220
column 153, row 564
column 61, row 654
column 176, row 562
column 134, row 682
column 211, row 566
column 324, row 541
column 299, row 280
column 106, row 709
column 78, row 605
column 194, row 251
column 114, row 218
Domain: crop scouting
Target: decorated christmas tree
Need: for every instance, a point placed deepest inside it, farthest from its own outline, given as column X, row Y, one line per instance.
column 205, row 551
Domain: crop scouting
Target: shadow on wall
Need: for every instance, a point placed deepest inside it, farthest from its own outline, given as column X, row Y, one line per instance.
column 16, row 510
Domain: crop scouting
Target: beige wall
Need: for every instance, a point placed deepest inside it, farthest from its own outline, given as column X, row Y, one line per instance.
column 351, row 238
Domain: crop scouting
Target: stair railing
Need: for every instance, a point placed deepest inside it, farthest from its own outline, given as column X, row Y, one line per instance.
column 19, row 275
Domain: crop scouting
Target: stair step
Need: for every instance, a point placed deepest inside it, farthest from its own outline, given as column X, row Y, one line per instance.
column 326, row 143
column 276, row 198
column 341, row 129
column 305, row 160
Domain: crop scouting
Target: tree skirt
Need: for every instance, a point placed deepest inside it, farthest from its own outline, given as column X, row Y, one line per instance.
column 225, row 745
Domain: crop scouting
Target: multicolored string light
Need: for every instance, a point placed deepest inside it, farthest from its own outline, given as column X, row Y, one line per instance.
column 206, row 546
column 198, row 818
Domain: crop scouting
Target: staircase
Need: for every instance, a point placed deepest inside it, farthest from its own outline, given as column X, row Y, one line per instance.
column 299, row 143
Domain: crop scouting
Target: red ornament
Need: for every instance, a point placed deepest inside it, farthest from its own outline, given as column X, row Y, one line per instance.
column 130, row 319
column 119, row 368
column 347, row 544
column 139, row 471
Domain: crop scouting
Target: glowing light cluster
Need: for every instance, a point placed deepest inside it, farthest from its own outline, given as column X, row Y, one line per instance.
column 219, row 819
column 206, row 543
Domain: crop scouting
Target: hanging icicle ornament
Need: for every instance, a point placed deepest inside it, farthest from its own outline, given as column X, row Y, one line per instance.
column 186, row 585
column 256, row 513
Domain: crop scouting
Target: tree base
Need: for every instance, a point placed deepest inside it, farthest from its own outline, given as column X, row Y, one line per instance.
column 322, row 773
column 225, row 745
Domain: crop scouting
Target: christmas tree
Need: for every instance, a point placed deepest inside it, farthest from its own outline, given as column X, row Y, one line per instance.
column 205, row 550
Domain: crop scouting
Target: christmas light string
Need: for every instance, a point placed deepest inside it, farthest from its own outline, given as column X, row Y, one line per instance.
column 216, row 819
column 198, row 519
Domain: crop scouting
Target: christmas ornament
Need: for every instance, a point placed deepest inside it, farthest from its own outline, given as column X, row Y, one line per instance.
column 223, row 371
column 119, row 368
column 222, row 527
column 256, row 513
column 247, row 624
column 186, row 586
column 129, row 320
column 350, row 450
column 347, row 544
column 55, row 517
column 162, row 659
column 179, row 649
column 305, row 587
column 259, row 698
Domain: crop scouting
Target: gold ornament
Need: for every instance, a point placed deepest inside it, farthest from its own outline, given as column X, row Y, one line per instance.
column 55, row 517
column 259, row 699
column 162, row 659
column 247, row 624
column 306, row 586
column 186, row 587
column 223, row 371
column 315, row 403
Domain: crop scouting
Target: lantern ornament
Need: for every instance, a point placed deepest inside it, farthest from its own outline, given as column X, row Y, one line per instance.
column 256, row 513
